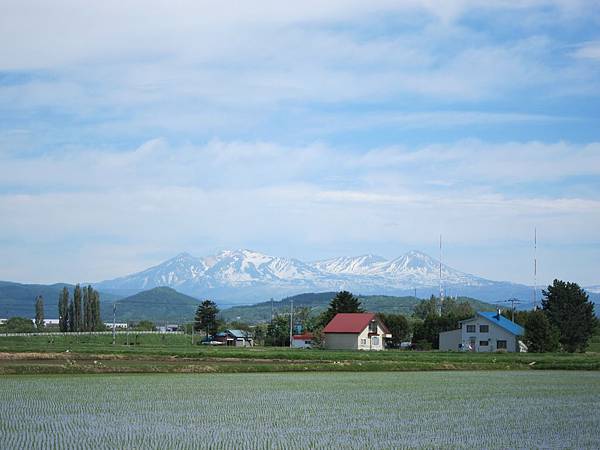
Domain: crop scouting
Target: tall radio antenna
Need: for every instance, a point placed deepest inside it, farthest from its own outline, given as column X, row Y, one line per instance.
column 441, row 290
column 534, row 268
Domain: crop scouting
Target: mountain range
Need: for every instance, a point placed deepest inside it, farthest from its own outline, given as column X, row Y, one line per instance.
column 244, row 276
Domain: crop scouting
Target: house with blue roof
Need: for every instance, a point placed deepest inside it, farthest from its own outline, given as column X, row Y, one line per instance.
column 486, row 332
column 236, row 338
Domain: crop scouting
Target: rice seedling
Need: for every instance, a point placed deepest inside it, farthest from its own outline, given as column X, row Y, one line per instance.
column 303, row 410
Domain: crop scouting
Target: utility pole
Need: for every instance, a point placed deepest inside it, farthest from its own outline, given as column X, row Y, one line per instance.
column 513, row 301
column 114, row 323
column 192, row 334
column 291, row 320
column 271, row 310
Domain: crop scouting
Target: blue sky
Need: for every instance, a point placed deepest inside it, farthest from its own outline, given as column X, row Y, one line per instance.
column 131, row 131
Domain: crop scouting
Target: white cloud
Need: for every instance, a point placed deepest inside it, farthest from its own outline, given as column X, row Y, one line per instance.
column 589, row 50
column 162, row 199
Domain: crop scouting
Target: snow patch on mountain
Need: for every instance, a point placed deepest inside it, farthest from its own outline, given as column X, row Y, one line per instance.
column 245, row 274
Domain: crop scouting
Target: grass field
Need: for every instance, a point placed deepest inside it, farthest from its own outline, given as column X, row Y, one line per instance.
column 535, row 409
column 174, row 353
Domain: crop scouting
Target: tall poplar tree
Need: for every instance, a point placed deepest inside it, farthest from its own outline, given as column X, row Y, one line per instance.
column 95, row 323
column 39, row 312
column 86, row 309
column 63, row 310
column 71, row 317
column 77, row 317
column 99, row 326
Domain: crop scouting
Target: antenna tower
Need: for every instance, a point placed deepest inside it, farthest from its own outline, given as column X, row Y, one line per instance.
column 441, row 290
column 534, row 268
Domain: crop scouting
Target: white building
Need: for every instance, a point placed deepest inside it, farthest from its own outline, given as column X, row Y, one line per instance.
column 118, row 325
column 303, row 340
column 355, row 331
column 486, row 332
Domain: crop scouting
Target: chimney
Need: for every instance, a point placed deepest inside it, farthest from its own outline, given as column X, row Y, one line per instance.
column 498, row 314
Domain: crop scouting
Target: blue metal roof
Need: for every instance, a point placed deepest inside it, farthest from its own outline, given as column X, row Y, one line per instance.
column 502, row 322
column 238, row 333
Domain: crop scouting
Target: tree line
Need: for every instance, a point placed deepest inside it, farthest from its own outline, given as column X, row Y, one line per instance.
column 81, row 312
column 565, row 321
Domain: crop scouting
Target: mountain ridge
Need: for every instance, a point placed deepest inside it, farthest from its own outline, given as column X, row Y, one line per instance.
column 243, row 276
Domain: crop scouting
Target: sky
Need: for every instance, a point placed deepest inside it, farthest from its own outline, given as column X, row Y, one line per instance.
column 133, row 131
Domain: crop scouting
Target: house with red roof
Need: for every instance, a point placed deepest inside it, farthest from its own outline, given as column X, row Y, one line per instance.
column 355, row 331
column 304, row 340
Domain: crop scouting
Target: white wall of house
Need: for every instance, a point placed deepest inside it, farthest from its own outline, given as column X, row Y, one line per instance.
column 301, row 343
column 477, row 338
column 450, row 340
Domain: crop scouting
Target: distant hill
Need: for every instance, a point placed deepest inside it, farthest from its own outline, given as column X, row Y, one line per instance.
column 18, row 299
column 161, row 304
column 318, row 302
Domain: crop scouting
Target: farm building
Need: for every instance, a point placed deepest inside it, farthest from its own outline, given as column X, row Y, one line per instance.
column 486, row 332
column 303, row 340
column 356, row 331
column 236, row 338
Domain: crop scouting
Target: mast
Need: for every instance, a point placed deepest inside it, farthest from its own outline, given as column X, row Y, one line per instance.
column 534, row 268
column 441, row 290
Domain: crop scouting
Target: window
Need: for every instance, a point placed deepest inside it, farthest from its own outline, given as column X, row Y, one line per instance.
column 470, row 328
column 484, row 328
column 483, row 343
column 500, row 345
column 373, row 327
column 375, row 341
column 363, row 342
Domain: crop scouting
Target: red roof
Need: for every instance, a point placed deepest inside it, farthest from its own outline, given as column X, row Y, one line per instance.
column 303, row 337
column 350, row 323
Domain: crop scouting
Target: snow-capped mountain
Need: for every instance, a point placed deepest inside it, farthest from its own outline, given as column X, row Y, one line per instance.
column 357, row 265
column 243, row 276
column 593, row 289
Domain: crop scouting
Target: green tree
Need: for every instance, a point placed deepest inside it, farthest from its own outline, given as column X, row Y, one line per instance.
column 77, row 313
column 144, row 325
column 94, row 310
column 398, row 326
column 521, row 317
column 39, row 313
column 63, row 310
column 71, row 317
column 278, row 332
column 206, row 317
column 19, row 325
column 426, row 308
column 451, row 307
column 569, row 309
column 429, row 330
column 343, row 302
column 87, row 318
column 540, row 335
column 260, row 333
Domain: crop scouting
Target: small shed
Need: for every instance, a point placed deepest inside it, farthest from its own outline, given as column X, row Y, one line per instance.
column 304, row 340
column 235, row 338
